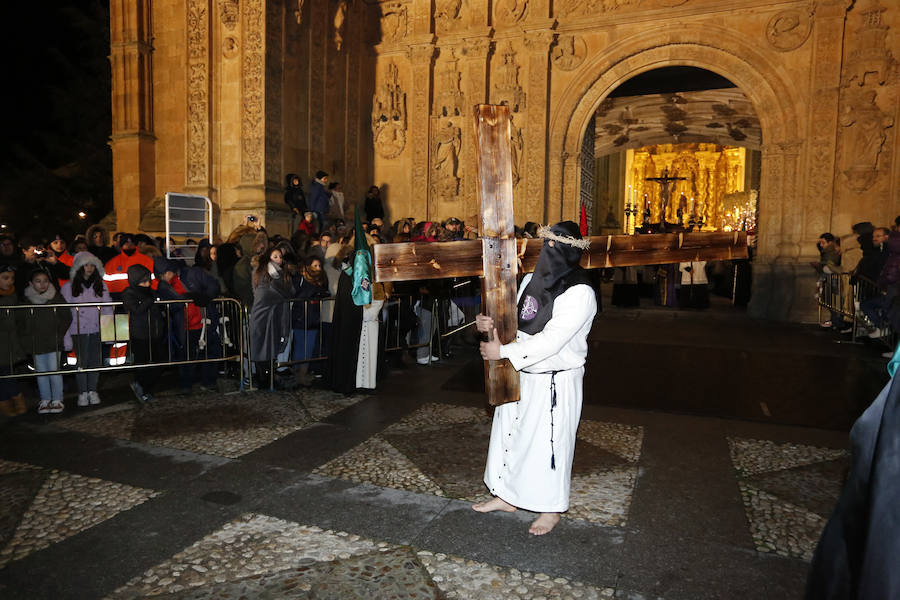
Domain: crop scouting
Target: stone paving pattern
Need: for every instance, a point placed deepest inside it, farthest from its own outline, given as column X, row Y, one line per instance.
column 42, row 507
column 208, row 423
column 788, row 491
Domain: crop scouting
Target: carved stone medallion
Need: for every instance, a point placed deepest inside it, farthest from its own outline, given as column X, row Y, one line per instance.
column 509, row 12
column 394, row 21
column 230, row 47
column 569, row 52
column 788, row 29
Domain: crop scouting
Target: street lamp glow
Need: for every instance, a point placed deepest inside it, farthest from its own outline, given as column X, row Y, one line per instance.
column 82, row 214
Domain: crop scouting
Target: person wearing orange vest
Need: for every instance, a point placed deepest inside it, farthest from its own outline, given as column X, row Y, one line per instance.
column 116, row 277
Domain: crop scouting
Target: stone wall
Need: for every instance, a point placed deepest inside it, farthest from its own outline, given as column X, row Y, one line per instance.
column 224, row 97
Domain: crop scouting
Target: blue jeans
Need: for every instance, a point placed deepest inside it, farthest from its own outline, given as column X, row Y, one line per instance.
column 50, row 387
column 304, row 343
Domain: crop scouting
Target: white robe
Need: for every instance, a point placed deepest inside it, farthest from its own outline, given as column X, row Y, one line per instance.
column 518, row 463
column 367, row 360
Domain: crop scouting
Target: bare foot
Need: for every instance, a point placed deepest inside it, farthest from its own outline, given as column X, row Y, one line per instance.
column 495, row 503
column 544, row 524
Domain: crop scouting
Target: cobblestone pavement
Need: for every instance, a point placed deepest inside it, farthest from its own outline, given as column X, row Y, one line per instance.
column 321, row 532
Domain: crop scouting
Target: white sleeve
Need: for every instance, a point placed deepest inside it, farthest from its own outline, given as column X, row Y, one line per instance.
column 571, row 310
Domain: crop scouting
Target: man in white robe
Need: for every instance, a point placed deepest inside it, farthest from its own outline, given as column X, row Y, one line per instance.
column 529, row 462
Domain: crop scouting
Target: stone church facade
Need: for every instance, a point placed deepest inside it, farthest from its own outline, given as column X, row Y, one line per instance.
column 225, row 97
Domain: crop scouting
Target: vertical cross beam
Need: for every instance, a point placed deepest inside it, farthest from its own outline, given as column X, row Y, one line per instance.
column 495, row 201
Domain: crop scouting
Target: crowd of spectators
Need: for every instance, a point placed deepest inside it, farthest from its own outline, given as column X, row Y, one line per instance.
column 860, row 280
column 295, row 291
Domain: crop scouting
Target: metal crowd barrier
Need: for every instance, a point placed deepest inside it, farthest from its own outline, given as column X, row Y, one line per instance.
column 220, row 339
column 838, row 295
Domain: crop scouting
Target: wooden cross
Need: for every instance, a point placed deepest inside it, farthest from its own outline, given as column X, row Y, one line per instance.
column 495, row 256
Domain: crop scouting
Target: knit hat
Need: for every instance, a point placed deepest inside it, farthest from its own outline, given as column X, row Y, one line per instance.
column 83, row 258
column 138, row 274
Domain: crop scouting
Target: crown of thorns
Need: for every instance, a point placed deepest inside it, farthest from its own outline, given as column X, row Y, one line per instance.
column 547, row 234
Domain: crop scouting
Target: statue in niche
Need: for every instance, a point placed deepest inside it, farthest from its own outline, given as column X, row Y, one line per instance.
column 507, row 89
column 864, row 137
column 446, row 12
column 445, row 167
column 569, row 52
column 394, row 21
column 389, row 115
column 450, row 101
column 340, row 17
column 509, row 12
column 516, row 147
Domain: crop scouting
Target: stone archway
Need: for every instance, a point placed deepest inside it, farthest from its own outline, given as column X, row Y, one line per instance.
column 710, row 48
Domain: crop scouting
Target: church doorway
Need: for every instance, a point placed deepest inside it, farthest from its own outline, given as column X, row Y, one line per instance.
column 674, row 149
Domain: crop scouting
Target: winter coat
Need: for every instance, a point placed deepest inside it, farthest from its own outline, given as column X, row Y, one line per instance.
column 43, row 330
column 105, row 253
column 890, row 272
column 872, row 261
column 242, row 275
column 85, row 320
column 146, row 318
column 10, row 348
column 270, row 320
column 293, row 194
column 116, row 278
column 318, row 199
column 306, row 312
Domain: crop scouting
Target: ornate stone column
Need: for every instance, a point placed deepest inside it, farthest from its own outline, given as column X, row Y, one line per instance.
column 537, row 42
column 421, row 57
column 197, row 133
column 132, row 139
column 804, row 226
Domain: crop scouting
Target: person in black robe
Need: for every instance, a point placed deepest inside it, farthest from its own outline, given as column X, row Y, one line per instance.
column 859, row 551
column 346, row 328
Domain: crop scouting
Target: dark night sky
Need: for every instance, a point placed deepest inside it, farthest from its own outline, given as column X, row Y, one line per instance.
column 55, row 160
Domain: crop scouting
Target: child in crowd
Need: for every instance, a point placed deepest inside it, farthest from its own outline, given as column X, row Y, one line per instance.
column 41, row 333
column 12, row 402
column 147, row 331
column 85, row 286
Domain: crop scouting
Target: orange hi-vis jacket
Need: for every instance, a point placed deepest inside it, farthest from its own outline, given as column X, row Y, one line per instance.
column 116, row 278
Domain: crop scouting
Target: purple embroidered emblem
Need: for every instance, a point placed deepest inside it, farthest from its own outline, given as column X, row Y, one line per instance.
column 529, row 308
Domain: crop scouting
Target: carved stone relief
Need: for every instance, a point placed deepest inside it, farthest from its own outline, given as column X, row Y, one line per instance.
column 449, row 101
column 864, row 138
column 447, row 15
column 445, row 162
column 230, row 47
column 870, row 59
column 569, row 52
column 198, row 93
column 517, row 149
column 789, row 29
column 394, row 21
column 509, row 12
column 421, row 57
column 507, row 89
column 274, row 70
column 229, row 12
column 389, row 115
column 298, row 12
column 252, row 81
column 573, row 8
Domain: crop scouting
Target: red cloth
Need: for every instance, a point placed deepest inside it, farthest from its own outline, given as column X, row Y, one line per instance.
column 582, row 225
column 66, row 259
column 194, row 318
column 308, row 227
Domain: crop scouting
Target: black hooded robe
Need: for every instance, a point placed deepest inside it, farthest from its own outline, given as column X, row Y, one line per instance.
column 345, row 332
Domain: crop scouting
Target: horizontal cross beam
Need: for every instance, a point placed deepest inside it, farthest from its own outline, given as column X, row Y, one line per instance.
column 436, row 260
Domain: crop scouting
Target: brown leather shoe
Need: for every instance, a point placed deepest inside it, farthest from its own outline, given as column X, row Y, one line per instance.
column 7, row 408
column 19, row 404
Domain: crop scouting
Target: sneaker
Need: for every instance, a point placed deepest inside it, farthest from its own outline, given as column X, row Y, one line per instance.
column 825, row 325
column 94, row 397
column 878, row 333
column 423, row 361
column 83, row 399
column 44, row 407
column 887, row 355
column 56, row 406
column 846, row 330
column 138, row 390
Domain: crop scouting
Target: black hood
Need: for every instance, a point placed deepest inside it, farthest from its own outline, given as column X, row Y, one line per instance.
column 138, row 274
column 288, row 181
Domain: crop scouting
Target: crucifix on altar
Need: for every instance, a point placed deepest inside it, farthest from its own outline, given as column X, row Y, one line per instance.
column 665, row 194
column 498, row 257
